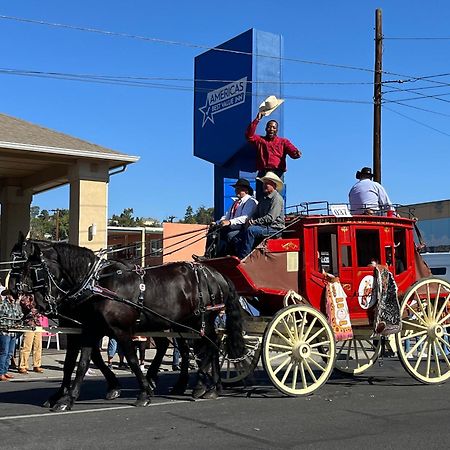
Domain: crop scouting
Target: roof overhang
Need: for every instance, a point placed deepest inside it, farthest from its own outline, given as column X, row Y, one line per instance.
column 40, row 168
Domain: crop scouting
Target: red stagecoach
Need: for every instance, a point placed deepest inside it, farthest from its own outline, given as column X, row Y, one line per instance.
column 284, row 280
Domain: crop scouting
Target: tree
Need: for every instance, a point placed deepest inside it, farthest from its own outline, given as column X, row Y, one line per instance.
column 44, row 225
column 203, row 215
column 126, row 219
column 189, row 215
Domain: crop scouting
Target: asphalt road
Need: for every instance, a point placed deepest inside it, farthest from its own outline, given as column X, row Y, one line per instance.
column 384, row 408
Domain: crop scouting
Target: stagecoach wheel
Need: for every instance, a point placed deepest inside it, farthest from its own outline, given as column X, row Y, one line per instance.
column 423, row 345
column 356, row 355
column 298, row 350
column 233, row 371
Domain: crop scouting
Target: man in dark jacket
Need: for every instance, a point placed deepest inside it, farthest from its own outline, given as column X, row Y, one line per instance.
column 269, row 217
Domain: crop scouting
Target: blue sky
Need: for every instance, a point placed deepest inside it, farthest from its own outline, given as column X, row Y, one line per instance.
column 156, row 123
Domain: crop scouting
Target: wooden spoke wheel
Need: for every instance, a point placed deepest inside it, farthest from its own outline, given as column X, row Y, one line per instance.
column 233, row 371
column 423, row 345
column 356, row 355
column 298, row 350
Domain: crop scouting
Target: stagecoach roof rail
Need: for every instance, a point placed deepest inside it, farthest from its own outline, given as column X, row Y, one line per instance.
column 321, row 207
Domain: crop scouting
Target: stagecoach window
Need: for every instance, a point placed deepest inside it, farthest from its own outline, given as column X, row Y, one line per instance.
column 367, row 247
column 328, row 251
column 346, row 256
column 400, row 250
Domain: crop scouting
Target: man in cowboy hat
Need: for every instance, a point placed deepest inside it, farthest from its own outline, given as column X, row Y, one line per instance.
column 368, row 196
column 268, row 219
column 230, row 224
column 271, row 150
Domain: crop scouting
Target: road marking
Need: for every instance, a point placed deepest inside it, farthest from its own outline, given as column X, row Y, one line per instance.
column 114, row 408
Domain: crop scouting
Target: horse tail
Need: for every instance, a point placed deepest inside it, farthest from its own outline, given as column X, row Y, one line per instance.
column 235, row 344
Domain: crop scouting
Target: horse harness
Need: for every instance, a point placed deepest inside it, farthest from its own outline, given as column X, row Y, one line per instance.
column 43, row 279
column 202, row 302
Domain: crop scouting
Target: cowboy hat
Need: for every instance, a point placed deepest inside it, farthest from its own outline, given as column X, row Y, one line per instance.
column 274, row 178
column 243, row 183
column 364, row 171
column 270, row 104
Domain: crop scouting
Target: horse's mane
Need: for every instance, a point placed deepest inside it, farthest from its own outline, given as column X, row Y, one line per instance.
column 75, row 260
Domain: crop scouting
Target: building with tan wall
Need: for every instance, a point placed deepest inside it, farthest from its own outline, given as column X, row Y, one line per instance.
column 34, row 159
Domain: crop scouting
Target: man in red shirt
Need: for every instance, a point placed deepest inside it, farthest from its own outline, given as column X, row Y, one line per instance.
column 271, row 150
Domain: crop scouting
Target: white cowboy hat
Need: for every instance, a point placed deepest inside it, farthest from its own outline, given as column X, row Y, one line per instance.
column 270, row 104
column 270, row 176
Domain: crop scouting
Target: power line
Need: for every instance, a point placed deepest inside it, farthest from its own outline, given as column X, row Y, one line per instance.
column 417, row 121
column 418, row 108
column 143, row 84
column 199, row 46
column 421, row 96
column 13, row 71
column 417, row 38
column 179, row 43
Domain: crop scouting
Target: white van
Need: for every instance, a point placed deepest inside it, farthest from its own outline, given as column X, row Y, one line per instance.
column 439, row 264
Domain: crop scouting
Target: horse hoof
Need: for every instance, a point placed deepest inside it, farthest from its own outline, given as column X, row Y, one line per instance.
column 60, row 407
column 199, row 392
column 113, row 394
column 142, row 402
column 210, row 395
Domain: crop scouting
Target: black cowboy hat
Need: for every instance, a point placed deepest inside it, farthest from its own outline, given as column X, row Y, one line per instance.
column 243, row 183
column 364, row 171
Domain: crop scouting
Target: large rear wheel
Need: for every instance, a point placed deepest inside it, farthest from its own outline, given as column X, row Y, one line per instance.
column 423, row 345
column 298, row 350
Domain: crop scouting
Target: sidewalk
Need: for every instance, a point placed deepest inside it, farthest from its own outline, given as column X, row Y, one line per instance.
column 53, row 360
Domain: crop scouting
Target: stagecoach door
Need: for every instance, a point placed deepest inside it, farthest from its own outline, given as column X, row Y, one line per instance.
column 358, row 247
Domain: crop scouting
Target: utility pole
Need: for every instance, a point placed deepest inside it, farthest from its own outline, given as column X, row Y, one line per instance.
column 57, row 210
column 377, row 98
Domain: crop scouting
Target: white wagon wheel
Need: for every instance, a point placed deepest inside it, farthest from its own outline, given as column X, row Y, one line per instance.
column 356, row 355
column 298, row 350
column 233, row 371
column 423, row 345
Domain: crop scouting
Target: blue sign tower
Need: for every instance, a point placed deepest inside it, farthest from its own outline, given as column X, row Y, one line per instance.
column 231, row 81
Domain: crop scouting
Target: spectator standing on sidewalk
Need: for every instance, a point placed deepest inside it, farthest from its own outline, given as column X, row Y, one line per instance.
column 32, row 340
column 10, row 315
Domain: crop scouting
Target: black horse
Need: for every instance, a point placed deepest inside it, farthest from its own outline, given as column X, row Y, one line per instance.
column 74, row 342
column 117, row 299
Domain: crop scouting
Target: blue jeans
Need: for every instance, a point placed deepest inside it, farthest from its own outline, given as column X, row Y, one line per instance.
column 247, row 237
column 7, row 345
column 176, row 357
column 113, row 348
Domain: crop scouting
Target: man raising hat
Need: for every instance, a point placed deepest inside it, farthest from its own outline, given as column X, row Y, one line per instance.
column 368, row 196
column 271, row 150
column 231, row 223
column 268, row 219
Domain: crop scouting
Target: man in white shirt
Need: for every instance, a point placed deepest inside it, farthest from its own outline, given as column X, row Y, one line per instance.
column 231, row 223
column 368, row 196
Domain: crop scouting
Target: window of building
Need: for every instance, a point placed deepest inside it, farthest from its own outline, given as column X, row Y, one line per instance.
column 155, row 247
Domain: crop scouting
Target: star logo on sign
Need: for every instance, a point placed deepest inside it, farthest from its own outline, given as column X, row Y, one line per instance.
column 207, row 113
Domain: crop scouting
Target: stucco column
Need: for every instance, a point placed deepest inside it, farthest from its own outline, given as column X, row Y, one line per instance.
column 15, row 217
column 88, row 204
